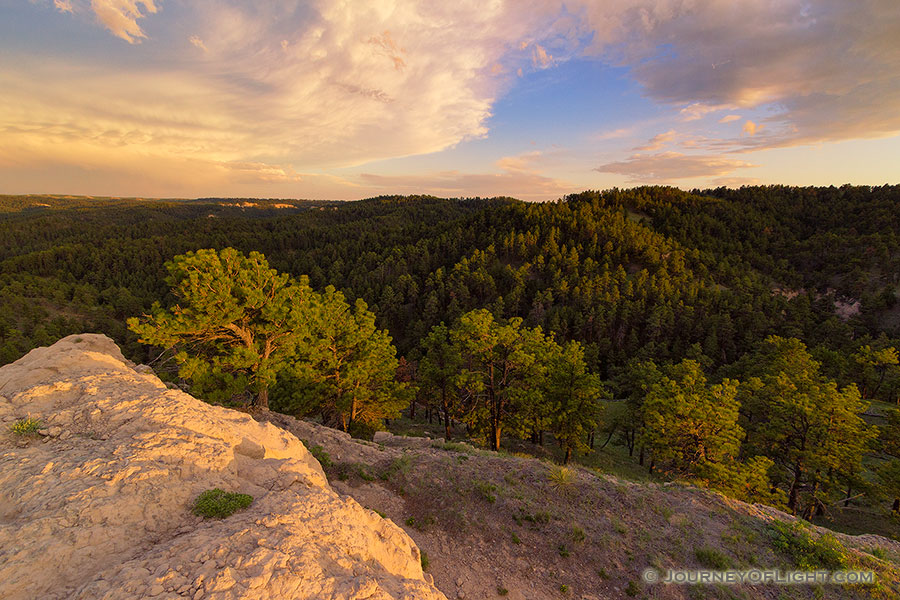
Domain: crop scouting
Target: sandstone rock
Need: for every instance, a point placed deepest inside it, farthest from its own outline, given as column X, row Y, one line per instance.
column 107, row 515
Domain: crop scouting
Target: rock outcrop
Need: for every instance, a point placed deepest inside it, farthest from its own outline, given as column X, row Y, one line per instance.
column 98, row 504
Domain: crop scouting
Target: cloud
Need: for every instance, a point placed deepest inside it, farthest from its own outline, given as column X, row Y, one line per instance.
column 729, row 118
column 657, row 142
column 828, row 68
column 519, row 177
column 750, row 128
column 540, row 58
column 64, row 6
column 321, row 84
column 197, row 43
column 120, row 17
column 670, row 166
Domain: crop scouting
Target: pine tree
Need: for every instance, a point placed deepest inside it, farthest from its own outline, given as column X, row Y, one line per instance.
column 235, row 322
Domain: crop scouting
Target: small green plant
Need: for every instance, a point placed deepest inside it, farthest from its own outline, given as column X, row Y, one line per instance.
column 218, row 504
column 578, row 535
column 632, row 589
column 502, row 591
column 712, row 558
column 515, row 538
column 796, row 541
column 563, row 551
column 560, row 477
column 319, row 454
column 486, row 490
column 619, row 526
column 879, row 553
column 423, row 558
column 602, row 574
column 564, row 589
column 26, row 426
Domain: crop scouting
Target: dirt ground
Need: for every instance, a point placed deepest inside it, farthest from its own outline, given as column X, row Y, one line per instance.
column 496, row 525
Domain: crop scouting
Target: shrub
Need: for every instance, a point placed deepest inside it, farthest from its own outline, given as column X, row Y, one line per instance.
column 879, row 553
column 564, row 589
column 486, row 490
column 423, row 558
column 632, row 589
column 218, row 504
column 502, row 591
column 27, row 426
column 515, row 538
column 796, row 541
column 561, row 477
column 563, row 551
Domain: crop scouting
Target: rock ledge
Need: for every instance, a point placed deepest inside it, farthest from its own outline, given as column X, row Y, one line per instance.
column 98, row 507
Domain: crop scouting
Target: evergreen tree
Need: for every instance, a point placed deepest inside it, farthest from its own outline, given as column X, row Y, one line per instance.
column 235, row 322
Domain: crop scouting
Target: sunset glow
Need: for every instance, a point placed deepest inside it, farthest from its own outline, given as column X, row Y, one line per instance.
column 346, row 100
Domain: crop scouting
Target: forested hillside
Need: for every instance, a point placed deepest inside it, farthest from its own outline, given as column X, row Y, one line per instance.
column 733, row 314
column 649, row 272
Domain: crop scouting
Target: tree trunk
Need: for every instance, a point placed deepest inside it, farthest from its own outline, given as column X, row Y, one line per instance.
column 795, row 488
column 896, row 507
column 568, row 455
column 412, row 409
column 541, row 438
column 641, row 457
column 495, row 437
column 262, row 399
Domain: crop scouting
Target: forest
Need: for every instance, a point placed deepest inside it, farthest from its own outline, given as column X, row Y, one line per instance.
column 744, row 339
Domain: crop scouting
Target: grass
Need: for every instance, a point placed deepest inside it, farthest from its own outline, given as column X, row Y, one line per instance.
column 26, row 426
column 563, row 551
column 423, row 558
column 218, row 504
column 711, row 558
column 796, row 541
column 399, row 465
column 502, row 591
column 577, row 534
column 879, row 553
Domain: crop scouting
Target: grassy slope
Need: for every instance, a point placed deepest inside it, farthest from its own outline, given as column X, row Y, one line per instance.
column 495, row 525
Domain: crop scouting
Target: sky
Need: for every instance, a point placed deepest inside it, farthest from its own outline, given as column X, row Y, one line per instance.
column 350, row 99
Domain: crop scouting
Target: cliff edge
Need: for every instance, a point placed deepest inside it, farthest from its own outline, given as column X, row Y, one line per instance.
column 97, row 504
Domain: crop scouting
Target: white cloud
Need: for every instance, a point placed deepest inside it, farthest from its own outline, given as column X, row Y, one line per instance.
column 327, row 83
column 197, row 43
column 657, row 141
column 729, row 118
column 120, row 17
column 671, row 166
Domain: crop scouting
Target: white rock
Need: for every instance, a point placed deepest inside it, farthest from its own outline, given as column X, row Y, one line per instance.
column 99, row 519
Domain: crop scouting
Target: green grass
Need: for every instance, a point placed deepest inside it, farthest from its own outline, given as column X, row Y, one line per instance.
column 27, row 426
column 423, row 558
column 400, row 465
column 218, row 504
